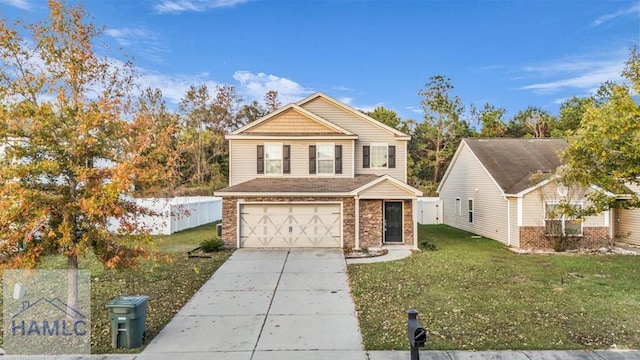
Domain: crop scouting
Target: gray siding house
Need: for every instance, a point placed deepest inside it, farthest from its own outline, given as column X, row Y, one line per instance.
column 502, row 189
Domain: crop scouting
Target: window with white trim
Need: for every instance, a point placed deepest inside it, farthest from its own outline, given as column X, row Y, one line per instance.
column 379, row 155
column 458, row 207
column 470, row 209
column 273, row 158
column 325, row 158
column 556, row 223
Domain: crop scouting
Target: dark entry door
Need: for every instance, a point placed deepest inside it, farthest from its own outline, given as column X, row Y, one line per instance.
column 393, row 221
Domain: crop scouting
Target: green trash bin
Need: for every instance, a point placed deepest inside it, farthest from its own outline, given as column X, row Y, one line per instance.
column 128, row 315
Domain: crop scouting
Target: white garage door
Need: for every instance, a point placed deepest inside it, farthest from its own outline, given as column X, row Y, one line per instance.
column 292, row 225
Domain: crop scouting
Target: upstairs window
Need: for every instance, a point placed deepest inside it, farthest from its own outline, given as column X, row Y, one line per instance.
column 325, row 158
column 378, row 156
column 273, row 159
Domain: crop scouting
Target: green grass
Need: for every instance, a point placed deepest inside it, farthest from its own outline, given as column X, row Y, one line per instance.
column 169, row 281
column 186, row 240
column 476, row 294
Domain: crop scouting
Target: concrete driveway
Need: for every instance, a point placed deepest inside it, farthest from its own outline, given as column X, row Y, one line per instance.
column 267, row 304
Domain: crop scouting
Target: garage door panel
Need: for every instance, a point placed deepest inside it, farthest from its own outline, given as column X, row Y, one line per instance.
column 295, row 225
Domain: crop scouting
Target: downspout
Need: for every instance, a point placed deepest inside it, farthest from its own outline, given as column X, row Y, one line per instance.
column 238, row 204
column 508, row 221
column 414, row 202
column 356, row 200
column 608, row 217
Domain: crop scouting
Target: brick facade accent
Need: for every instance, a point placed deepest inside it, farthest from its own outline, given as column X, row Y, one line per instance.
column 370, row 223
column 371, row 218
column 408, row 222
column 229, row 221
column 349, row 222
column 533, row 237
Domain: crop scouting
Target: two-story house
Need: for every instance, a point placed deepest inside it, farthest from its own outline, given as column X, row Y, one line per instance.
column 318, row 173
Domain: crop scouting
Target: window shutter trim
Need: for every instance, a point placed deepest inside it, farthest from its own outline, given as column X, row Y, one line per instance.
column 391, row 156
column 312, row 159
column 365, row 156
column 338, row 159
column 260, row 159
column 286, row 159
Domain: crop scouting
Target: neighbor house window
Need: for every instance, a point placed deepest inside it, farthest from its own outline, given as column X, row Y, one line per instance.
column 325, row 158
column 556, row 223
column 470, row 202
column 458, row 207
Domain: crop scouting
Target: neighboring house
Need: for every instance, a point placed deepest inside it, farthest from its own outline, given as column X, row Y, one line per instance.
column 318, row 173
column 627, row 222
column 490, row 189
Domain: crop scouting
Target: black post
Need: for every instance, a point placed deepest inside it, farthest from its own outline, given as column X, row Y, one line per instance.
column 415, row 354
column 412, row 325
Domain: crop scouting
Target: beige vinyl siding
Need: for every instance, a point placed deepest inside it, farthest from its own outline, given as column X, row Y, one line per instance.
column 533, row 205
column 242, row 164
column 367, row 134
column 386, row 190
column 627, row 226
column 627, row 222
column 468, row 180
column 291, row 121
column 514, row 236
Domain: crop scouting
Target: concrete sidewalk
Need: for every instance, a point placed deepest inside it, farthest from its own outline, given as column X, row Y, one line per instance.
column 393, row 355
column 267, row 304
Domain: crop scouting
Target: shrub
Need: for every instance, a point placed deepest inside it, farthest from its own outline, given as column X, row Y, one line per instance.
column 428, row 245
column 212, row 245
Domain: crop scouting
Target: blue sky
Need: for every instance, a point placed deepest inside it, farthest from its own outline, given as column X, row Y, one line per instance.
column 509, row 53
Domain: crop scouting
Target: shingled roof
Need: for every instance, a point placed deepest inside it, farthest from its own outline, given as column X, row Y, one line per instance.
column 512, row 162
column 285, row 185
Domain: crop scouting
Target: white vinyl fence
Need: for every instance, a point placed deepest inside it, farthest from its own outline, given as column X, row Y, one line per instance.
column 177, row 214
column 429, row 210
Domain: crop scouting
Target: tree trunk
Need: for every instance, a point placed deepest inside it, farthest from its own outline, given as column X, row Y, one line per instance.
column 72, row 282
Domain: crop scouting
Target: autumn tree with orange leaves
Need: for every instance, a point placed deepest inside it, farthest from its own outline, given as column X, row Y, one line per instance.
column 70, row 161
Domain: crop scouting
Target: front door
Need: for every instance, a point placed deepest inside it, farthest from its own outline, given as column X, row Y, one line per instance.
column 393, row 221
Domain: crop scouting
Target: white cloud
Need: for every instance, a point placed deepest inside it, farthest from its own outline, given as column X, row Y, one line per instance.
column 576, row 74
column 415, row 109
column 341, row 88
column 144, row 42
column 174, row 87
column 127, row 36
column 20, row 4
column 362, row 107
column 347, row 100
column 633, row 10
column 178, row 6
column 255, row 86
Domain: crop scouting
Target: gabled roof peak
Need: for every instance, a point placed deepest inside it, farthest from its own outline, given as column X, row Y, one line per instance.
column 297, row 108
column 353, row 111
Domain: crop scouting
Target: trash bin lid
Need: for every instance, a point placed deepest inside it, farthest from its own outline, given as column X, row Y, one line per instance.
column 127, row 301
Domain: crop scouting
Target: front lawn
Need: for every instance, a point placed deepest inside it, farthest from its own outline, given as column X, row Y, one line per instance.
column 476, row 294
column 169, row 281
